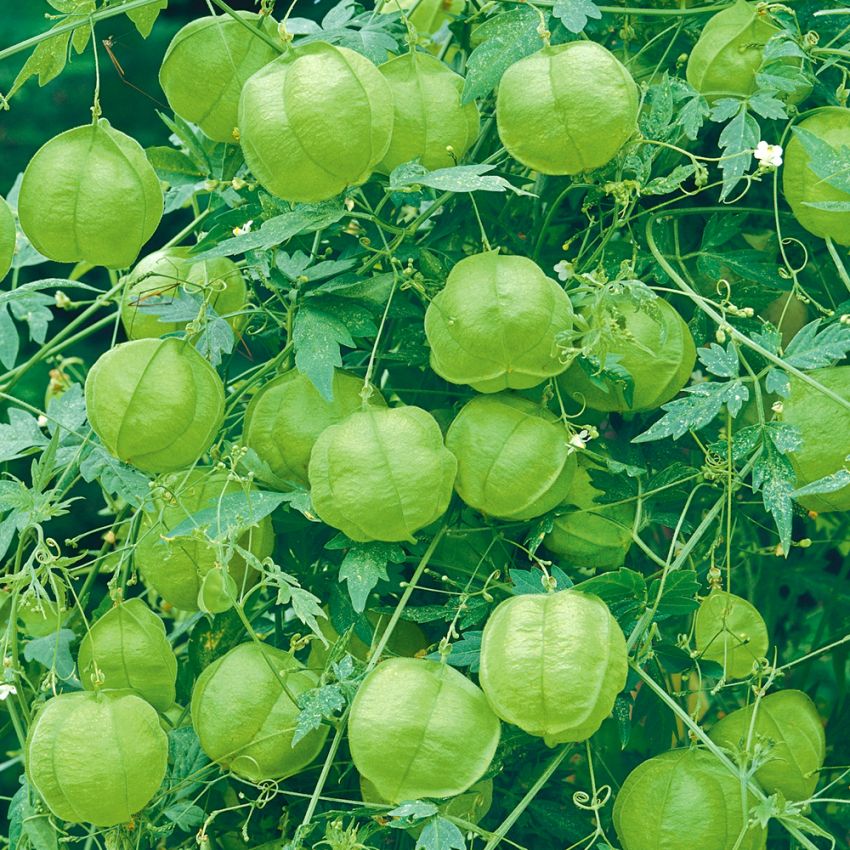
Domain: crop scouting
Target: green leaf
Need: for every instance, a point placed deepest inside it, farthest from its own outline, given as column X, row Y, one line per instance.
column 229, row 515
column 316, row 705
column 53, row 652
column 440, row 834
column 464, row 653
column 737, row 140
column 774, row 476
column 825, row 161
column 173, row 166
column 185, row 815
column 364, row 565
column 828, row 484
column 720, row 361
column 574, row 14
column 317, row 336
column 47, row 61
column 813, row 348
column 623, row 591
column 411, row 811
column 679, row 597
column 115, row 477
column 21, row 435
column 185, row 760
column 460, row 178
column 505, row 39
column 145, row 17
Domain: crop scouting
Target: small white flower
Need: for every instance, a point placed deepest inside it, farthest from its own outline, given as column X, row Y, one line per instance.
column 564, row 270
column 42, row 421
column 246, row 228
column 7, row 690
column 580, row 440
column 769, row 156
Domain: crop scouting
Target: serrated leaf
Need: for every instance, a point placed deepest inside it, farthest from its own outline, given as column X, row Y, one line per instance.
column 574, row 14
column 185, row 815
column 115, row 477
column 465, row 653
column 173, row 166
column 230, row 514
column 364, row 565
column 460, row 178
column 777, row 381
column 679, row 595
column 720, row 361
column 316, row 705
column 317, row 336
column 411, row 811
column 47, row 62
column 774, row 476
column 813, row 348
column 737, row 141
column 185, row 760
column 145, row 18
column 53, row 652
column 828, row 484
column 440, row 834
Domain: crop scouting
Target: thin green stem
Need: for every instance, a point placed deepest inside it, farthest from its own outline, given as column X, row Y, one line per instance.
column 263, row 36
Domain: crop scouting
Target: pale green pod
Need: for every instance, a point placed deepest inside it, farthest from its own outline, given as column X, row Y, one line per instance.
column 553, row 663
column 419, row 728
column 128, row 647
column 90, row 194
column 206, row 65
column 314, row 122
column 96, row 758
column 382, row 474
column 8, row 237
column 495, row 324
column 245, row 716
column 567, row 109
column 514, row 457
column 155, row 403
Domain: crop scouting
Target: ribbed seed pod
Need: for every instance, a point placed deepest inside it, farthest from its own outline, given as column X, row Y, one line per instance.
column 155, row 403
column 382, row 474
column 245, row 716
column 128, row 646
column 553, row 664
column 90, row 194
column 567, row 109
column 8, row 237
column 286, row 417
column 206, row 65
column 440, row 731
column 495, row 324
column 429, row 116
column 176, row 567
column 788, row 725
column 96, row 757
column 514, row 458
column 313, row 122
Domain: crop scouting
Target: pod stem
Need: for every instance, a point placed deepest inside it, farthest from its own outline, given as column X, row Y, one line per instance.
column 263, row 36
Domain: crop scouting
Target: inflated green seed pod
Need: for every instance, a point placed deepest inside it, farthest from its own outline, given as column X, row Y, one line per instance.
column 96, row 758
column 655, row 346
column 90, row 194
column 553, row 663
column 437, row 740
column 730, row 631
column 824, row 425
column 802, row 186
column 589, row 534
column 730, row 51
column 155, row 403
column 684, row 795
column 8, row 237
column 159, row 278
column 495, row 324
column 567, row 109
column 788, row 725
column 176, row 567
column 429, row 115
column 129, row 649
column 514, row 460
column 207, row 64
column 313, row 122
column 382, row 474
column 428, row 16
column 245, row 716
column 286, row 417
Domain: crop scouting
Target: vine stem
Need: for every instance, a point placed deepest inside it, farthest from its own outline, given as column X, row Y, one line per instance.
column 839, row 264
column 263, row 36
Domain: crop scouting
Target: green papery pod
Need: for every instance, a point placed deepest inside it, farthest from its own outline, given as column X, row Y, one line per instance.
column 789, row 732
column 653, row 343
column 495, row 324
column 429, row 115
column 553, row 664
column 158, row 279
column 419, row 728
column 286, row 417
column 175, row 567
column 684, row 795
column 825, row 133
column 128, row 647
column 730, row 631
column 207, row 64
column 567, row 108
column 218, row 592
column 382, row 474
column 155, row 403
column 730, row 52
column 313, row 122
column 513, row 456
column 90, row 194
column 245, row 716
column 589, row 534
column 96, row 758
column 8, row 237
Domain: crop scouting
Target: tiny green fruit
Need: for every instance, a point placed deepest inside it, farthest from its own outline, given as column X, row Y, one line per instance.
column 514, row 458
column 129, row 649
column 96, row 758
column 90, row 194
column 567, row 109
column 553, row 663
column 207, row 64
column 155, row 403
column 382, row 474
column 788, row 726
column 437, row 740
column 495, row 324
column 313, row 122
column 8, row 237
column 244, row 712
